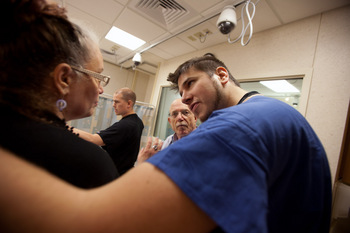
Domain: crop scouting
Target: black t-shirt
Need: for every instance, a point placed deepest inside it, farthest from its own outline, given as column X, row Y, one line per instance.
column 122, row 141
column 57, row 150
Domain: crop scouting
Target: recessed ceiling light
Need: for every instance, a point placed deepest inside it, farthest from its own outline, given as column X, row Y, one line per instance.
column 279, row 86
column 124, row 39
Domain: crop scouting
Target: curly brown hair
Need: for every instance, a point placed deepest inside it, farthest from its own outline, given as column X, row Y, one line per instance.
column 36, row 37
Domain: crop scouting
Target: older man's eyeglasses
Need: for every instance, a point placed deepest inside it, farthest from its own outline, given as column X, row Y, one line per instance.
column 103, row 80
column 184, row 113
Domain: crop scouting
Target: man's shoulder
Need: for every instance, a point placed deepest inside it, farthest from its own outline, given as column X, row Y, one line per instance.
column 132, row 118
column 168, row 141
column 128, row 122
column 170, row 137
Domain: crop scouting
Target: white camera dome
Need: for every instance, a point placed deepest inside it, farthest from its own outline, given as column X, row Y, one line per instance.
column 137, row 59
column 227, row 20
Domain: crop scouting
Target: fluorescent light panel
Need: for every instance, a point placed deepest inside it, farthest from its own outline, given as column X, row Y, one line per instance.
column 124, row 39
column 280, row 86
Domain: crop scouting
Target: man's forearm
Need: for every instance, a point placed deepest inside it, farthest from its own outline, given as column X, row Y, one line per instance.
column 93, row 138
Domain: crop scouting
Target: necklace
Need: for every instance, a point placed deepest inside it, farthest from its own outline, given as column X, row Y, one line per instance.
column 56, row 121
column 247, row 95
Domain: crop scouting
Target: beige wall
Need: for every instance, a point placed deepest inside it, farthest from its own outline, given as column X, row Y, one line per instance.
column 140, row 82
column 142, row 85
column 119, row 78
column 317, row 47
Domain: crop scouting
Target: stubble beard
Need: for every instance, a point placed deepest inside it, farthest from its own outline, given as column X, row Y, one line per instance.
column 216, row 103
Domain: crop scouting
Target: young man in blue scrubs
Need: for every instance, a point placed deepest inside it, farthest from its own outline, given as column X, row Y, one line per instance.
column 253, row 165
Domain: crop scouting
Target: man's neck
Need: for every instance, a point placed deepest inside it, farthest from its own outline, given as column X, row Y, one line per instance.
column 231, row 94
column 127, row 114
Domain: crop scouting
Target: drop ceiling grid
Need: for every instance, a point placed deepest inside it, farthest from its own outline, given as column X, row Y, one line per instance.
column 106, row 10
column 290, row 11
column 202, row 6
column 101, row 15
column 176, row 47
column 99, row 27
column 211, row 39
column 138, row 26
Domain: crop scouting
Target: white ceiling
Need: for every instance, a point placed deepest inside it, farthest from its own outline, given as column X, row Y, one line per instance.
column 166, row 41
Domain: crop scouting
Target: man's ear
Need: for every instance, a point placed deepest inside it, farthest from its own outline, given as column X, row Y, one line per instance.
column 62, row 78
column 223, row 74
column 129, row 104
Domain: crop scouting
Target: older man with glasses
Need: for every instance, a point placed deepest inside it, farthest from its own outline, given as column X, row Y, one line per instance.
column 182, row 121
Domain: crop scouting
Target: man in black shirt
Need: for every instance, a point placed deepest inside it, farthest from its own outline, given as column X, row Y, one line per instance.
column 122, row 139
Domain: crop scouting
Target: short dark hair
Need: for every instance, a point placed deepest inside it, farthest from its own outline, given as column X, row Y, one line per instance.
column 207, row 64
column 127, row 94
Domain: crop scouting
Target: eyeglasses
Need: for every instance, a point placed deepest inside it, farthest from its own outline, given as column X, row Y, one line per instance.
column 102, row 79
column 184, row 113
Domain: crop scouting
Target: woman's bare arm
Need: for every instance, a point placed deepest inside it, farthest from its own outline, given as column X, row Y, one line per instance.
column 142, row 200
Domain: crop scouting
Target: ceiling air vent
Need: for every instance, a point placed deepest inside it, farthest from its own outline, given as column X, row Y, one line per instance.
column 168, row 13
column 170, row 9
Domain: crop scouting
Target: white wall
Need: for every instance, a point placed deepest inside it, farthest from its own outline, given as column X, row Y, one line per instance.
column 318, row 47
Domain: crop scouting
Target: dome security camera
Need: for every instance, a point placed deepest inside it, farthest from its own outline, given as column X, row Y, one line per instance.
column 137, row 59
column 227, row 20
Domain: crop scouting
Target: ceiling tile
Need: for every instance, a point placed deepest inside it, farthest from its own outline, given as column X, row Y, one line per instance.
column 99, row 27
column 193, row 38
column 106, row 10
column 264, row 17
column 138, row 26
column 161, row 38
column 176, row 47
column 161, row 53
column 290, row 11
column 201, row 6
column 123, row 2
